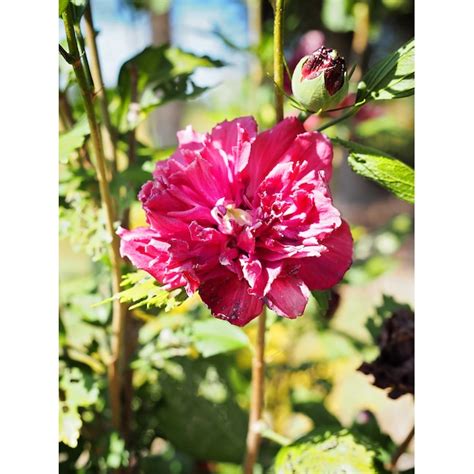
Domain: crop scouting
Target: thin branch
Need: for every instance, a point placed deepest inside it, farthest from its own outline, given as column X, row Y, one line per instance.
column 350, row 113
column 401, row 449
column 256, row 402
column 96, row 72
column 118, row 313
column 278, row 67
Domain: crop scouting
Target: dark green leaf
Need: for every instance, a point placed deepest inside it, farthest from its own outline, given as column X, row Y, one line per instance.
column 160, row 74
column 322, row 299
column 391, row 78
column 214, row 336
column 198, row 412
column 384, row 311
column 385, row 170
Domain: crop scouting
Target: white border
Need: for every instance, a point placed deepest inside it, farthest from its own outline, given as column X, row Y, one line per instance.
column 444, row 237
column 28, row 236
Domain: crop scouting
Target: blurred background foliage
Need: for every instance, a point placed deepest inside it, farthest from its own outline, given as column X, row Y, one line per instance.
column 166, row 64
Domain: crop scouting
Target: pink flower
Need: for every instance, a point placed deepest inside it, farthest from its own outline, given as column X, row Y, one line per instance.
column 246, row 219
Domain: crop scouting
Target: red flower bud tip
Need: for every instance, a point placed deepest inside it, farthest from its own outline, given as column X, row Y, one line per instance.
column 327, row 61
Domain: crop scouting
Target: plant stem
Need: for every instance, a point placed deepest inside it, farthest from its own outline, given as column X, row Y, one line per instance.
column 256, row 401
column 348, row 114
column 96, row 72
column 258, row 360
column 401, row 449
column 118, row 312
column 278, row 68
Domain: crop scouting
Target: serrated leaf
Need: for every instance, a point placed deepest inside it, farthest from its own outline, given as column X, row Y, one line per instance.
column 382, row 168
column 391, row 78
column 145, row 291
column 161, row 74
column 73, row 139
column 213, row 337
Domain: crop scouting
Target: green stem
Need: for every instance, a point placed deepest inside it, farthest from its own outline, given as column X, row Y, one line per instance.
column 278, row 65
column 96, row 72
column 348, row 114
column 118, row 311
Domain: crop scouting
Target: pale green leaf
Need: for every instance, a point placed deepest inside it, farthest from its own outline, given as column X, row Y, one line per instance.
column 384, row 169
column 70, row 425
column 145, row 291
column 77, row 393
column 323, row 451
column 214, row 336
column 73, row 139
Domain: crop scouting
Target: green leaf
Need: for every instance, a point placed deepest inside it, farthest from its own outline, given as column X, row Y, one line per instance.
column 198, row 412
column 391, row 78
column 322, row 299
column 73, row 139
column 145, row 291
column 77, row 391
column 385, row 170
column 375, row 322
column 62, row 6
column 214, row 336
column 161, row 74
column 324, row 451
column 70, row 425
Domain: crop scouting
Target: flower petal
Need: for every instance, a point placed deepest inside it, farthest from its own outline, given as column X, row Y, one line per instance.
column 268, row 149
column 288, row 296
column 321, row 273
column 228, row 298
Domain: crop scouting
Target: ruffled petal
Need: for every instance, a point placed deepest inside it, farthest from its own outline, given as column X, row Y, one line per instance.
column 268, row 149
column 228, row 298
column 321, row 273
column 288, row 296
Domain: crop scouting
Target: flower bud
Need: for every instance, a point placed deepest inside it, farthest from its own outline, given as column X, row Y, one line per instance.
column 319, row 81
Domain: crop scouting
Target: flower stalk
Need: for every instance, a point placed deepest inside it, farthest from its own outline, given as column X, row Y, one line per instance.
column 278, row 64
column 258, row 360
column 256, row 402
column 118, row 311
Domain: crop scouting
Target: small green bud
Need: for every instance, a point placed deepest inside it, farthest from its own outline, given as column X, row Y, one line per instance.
column 319, row 80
